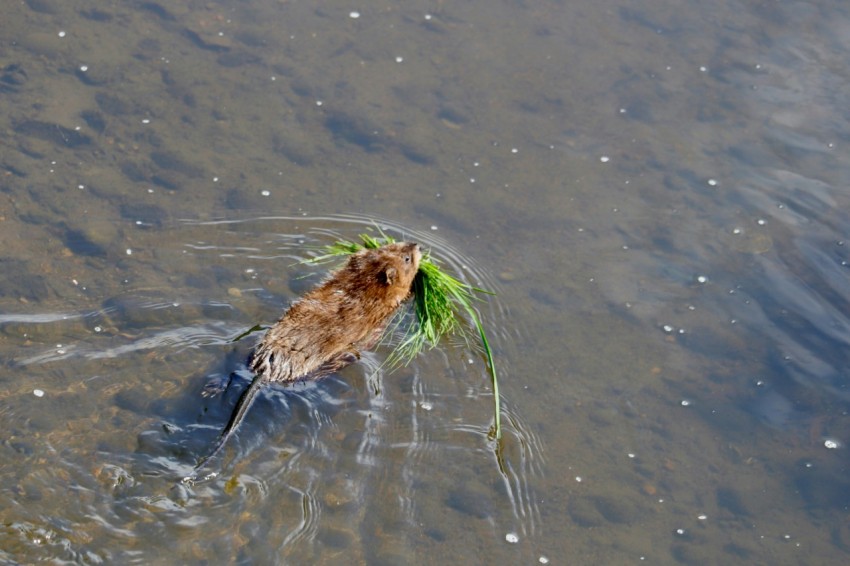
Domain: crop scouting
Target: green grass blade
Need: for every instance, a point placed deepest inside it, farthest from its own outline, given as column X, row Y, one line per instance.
column 496, row 431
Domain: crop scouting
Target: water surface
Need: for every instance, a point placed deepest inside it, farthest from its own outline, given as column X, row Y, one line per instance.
column 655, row 190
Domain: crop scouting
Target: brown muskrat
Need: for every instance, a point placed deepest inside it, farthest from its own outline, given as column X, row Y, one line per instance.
column 325, row 330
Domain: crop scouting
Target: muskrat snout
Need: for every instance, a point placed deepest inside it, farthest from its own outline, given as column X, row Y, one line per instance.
column 417, row 253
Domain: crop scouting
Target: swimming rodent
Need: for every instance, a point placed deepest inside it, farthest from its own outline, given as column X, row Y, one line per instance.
column 325, row 330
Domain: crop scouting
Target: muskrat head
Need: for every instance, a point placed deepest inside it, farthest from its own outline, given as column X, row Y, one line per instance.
column 401, row 273
column 386, row 272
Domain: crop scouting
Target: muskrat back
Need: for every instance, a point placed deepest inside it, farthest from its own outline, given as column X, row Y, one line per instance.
column 345, row 313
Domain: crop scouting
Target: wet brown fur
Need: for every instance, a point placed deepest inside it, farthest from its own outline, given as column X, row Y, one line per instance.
column 326, row 329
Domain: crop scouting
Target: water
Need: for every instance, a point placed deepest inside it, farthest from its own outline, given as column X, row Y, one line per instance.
column 655, row 192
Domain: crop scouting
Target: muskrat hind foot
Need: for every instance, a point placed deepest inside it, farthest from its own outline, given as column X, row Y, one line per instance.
column 216, row 385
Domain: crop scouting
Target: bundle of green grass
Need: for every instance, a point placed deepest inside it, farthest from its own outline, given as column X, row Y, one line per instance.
column 443, row 306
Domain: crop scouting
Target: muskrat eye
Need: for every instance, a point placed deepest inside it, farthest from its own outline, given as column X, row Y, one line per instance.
column 407, row 259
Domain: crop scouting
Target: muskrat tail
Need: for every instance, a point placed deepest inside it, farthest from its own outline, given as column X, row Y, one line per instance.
column 245, row 401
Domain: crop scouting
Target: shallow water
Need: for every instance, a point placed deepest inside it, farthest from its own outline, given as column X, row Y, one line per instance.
column 656, row 192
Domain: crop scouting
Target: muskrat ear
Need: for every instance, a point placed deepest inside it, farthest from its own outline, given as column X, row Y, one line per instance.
column 390, row 275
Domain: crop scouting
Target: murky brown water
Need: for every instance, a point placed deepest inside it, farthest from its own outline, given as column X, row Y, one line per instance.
column 656, row 191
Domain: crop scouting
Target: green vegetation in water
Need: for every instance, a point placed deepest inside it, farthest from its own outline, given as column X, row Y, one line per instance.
column 440, row 303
